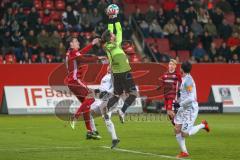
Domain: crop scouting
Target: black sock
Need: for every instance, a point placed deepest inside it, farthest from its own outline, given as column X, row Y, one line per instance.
column 131, row 98
column 112, row 101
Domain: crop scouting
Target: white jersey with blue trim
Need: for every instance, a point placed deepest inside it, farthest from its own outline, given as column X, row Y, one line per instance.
column 188, row 93
column 106, row 84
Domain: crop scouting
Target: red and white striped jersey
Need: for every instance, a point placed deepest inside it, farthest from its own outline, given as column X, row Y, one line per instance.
column 171, row 84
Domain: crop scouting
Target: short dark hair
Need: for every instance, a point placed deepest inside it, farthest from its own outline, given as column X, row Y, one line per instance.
column 69, row 40
column 72, row 38
column 186, row 67
column 106, row 36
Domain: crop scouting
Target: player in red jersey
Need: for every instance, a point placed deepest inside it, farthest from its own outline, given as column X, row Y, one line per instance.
column 76, row 85
column 171, row 81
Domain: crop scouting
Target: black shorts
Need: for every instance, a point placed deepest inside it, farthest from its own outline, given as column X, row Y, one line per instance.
column 123, row 82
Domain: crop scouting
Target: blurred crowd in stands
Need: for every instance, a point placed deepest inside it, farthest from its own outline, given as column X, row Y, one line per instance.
column 37, row 31
column 209, row 30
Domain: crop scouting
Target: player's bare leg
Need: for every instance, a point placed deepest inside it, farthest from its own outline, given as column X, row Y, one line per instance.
column 171, row 115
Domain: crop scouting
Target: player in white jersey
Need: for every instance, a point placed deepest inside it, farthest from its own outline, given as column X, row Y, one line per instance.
column 100, row 106
column 188, row 111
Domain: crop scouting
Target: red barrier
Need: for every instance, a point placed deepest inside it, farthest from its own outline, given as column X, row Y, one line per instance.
column 205, row 75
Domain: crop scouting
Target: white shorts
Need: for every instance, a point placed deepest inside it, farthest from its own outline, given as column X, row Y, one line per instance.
column 186, row 117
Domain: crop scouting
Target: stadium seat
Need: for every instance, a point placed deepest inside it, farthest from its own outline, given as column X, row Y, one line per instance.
column 26, row 11
column 230, row 18
column 41, row 13
column 60, row 26
column 1, row 59
column 47, row 4
column 143, row 1
column 38, row 4
column 149, row 40
column 183, row 55
column 129, row 1
column 171, row 53
column 56, row 15
column 49, row 58
column 143, row 7
column 163, row 45
column 128, row 48
column 134, row 58
column 218, row 42
column 34, row 58
column 232, row 41
column 60, row 4
column 10, row 59
column 154, row 2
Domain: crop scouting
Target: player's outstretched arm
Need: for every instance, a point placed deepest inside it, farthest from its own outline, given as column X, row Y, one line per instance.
column 119, row 32
column 114, row 22
column 89, row 46
column 86, row 49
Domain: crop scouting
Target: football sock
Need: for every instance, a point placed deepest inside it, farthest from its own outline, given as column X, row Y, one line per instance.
column 92, row 122
column 130, row 99
column 85, row 104
column 181, row 142
column 86, row 116
column 112, row 101
column 111, row 128
column 85, row 110
column 195, row 129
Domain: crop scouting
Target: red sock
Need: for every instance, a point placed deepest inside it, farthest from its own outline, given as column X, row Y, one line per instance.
column 85, row 110
column 85, row 104
column 86, row 116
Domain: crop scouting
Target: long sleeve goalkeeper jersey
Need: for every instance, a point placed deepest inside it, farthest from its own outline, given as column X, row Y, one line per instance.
column 117, row 58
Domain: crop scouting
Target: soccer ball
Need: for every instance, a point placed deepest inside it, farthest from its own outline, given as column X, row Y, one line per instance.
column 112, row 9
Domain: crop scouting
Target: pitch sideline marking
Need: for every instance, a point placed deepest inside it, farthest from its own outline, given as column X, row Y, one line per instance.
column 106, row 147
column 144, row 153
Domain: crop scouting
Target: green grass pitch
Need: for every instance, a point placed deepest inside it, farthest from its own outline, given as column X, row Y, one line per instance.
column 47, row 138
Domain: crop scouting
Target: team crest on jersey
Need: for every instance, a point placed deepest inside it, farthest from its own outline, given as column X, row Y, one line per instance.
column 189, row 88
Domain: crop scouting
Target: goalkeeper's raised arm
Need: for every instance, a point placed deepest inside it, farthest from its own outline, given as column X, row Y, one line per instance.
column 114, row 23
column 112, row 39
column 123, row 82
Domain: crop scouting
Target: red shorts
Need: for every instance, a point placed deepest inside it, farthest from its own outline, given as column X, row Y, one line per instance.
column 168, row 104
column 79, row 89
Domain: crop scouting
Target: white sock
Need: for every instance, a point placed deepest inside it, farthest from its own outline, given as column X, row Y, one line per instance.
column 111, row 128
column 181, row 142
column 195, row 129
column 109, row 114
column 92, row 123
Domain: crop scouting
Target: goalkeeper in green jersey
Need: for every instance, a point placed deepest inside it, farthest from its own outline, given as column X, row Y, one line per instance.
column 122, row 78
